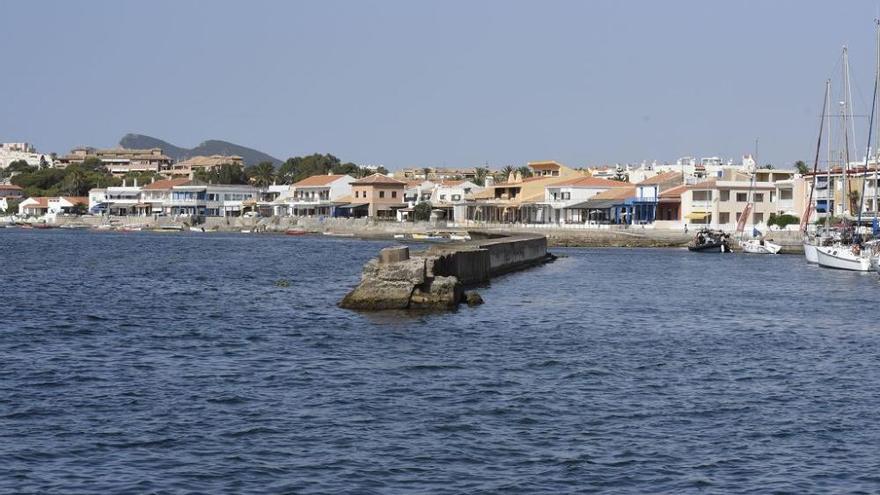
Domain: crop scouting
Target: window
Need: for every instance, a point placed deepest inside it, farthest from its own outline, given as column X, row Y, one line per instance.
column 442, row 197
column 742, row 197
column 725, row 196
column 566, row 195
column 759, row 218
column 759, row 197
column 381, row 194
column 724, row 218
column 393, row 194
column 456, row 197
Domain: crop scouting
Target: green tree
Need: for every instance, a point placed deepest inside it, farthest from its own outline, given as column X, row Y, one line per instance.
column 505, row 173
column 422, row 211
column 480, row 175
column 262, row 174
column 227, row 173
column 76, row 181
column 524, row 171
column 801, row 167
column 92, row 163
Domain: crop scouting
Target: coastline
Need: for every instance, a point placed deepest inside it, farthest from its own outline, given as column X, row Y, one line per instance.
column 633, row 237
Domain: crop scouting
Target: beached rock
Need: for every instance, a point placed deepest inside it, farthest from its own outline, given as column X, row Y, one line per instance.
column 473, row 298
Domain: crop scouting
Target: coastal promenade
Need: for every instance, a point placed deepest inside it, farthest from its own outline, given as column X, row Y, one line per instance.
column 557, row 236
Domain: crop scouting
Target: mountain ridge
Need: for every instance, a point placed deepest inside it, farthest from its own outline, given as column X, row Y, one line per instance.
column 209, row 147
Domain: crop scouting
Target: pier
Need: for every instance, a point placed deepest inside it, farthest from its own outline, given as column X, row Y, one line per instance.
column 436, row 278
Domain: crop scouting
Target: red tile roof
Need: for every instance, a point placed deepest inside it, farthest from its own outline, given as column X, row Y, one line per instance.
column 318, row 180
column 617, row 193
column 663, row 178
column 592, row 182
column 378, row 179
column 167, row 184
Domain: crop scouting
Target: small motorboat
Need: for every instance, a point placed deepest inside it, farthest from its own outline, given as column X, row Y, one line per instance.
column 710, row 241
column 759, row 246
column 295, row 232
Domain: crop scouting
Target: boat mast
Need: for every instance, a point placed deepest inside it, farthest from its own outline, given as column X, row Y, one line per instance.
column 868, row 148
column 816, row 158
column 877, row 136
column 844, row 110
column 829, row 192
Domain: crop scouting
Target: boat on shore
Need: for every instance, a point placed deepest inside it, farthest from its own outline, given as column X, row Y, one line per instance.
column 295, row 232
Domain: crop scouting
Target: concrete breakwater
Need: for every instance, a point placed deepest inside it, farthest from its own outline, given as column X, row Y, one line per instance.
column 436, row 277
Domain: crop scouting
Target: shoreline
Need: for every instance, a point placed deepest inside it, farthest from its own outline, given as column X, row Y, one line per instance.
column 367, row 229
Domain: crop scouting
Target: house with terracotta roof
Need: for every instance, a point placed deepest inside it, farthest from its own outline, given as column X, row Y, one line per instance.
column 518, row 200
column 317, row 195
column 559, row 197
column 43, row 205
column 156, row 194
column 377, row 196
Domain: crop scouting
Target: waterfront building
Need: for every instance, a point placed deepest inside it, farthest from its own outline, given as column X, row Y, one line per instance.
column 614, row 206
column 647, row 195
column 377, row 196
column 210, row 200
column 8, row 194
column 517, row 200
column 13, row 152
column 119, row 161
column 719, row 203
column 443, row 195
column 838, row 194
column 42, row 205
column 669, row 207
column 157, row 194
column 318, row 195
column 188, row 167
column 562, row 200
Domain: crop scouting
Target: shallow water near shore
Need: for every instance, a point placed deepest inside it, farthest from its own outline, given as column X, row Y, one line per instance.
column 133, row 363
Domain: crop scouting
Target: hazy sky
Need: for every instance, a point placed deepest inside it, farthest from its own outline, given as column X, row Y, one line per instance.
column 417, row 83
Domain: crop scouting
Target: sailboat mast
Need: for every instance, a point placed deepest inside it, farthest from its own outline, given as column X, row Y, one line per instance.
column 829, row 192
column 845, row 111
column 877, row 136
column 816, row 158
column 868, row 147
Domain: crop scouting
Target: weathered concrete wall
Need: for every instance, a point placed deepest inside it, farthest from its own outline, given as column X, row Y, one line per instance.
column 434, row 279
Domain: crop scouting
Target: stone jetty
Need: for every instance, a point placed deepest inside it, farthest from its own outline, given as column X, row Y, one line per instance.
column 436, row 278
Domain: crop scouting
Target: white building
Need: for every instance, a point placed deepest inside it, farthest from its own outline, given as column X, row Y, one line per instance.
column 39, row 206
column 12, row 152
column 316, row 195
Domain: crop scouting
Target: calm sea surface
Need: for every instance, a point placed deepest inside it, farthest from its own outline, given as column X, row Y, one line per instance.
column 173, row 363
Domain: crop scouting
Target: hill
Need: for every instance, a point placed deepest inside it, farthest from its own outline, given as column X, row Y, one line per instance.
column 207, row 148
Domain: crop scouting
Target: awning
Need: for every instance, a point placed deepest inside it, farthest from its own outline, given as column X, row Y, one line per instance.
column 595, row 204
column 696, row 215
column 355, row 205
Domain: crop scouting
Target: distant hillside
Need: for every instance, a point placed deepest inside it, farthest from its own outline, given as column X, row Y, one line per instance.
column 207, row 148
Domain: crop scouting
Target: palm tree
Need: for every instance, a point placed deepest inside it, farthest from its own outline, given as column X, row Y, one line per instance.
column 505, row 172
column 262, row 174
column 76, row 182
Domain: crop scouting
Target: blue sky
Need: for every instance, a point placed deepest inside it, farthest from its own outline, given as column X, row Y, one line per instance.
column 418, row 83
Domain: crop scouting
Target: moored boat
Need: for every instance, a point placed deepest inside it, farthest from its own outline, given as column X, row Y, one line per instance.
column 759, row 246
column 710, row 241
column 844, row 257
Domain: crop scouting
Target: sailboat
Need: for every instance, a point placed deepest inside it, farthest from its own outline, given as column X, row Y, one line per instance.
column 757, row 245
column 811, row 242
column 857, row 255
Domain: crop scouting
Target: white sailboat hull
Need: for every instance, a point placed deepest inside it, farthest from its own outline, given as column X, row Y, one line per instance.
column 842, row 258
column 810, row 253
column 753, row 246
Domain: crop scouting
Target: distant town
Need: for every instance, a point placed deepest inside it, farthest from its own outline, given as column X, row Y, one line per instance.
column 704, row 192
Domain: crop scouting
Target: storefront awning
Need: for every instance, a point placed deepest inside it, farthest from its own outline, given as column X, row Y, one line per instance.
column 697, row 215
